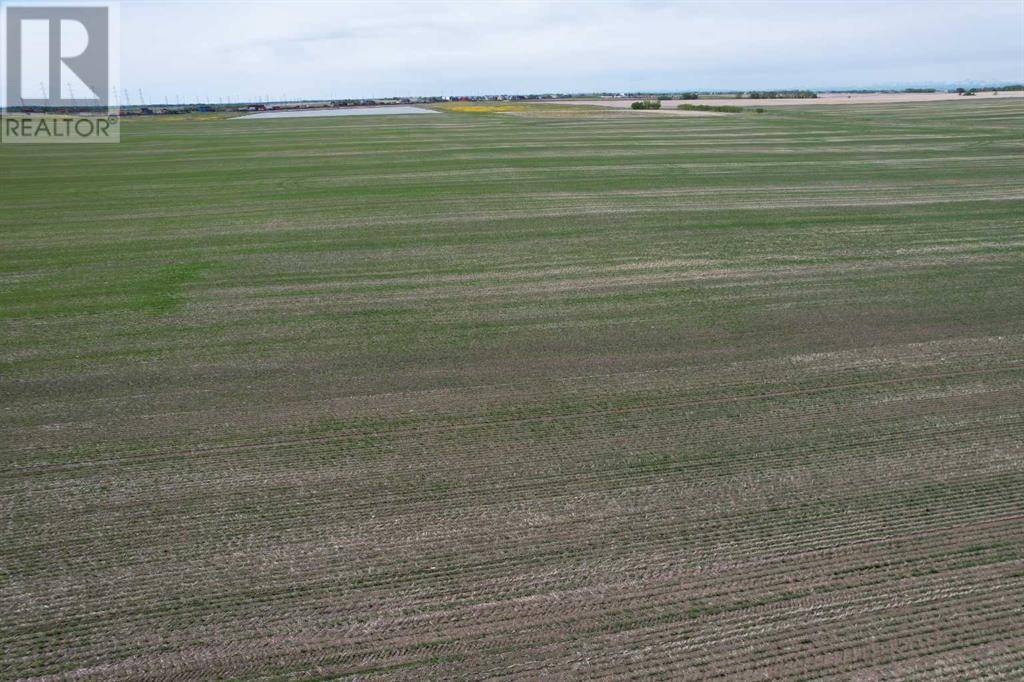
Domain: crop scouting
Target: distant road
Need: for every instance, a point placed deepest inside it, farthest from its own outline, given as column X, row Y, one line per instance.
column 823, row 98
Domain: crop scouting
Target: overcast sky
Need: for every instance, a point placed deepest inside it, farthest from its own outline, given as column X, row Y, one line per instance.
column 247, row 50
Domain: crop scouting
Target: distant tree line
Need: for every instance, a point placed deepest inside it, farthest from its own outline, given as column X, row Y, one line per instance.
column 646, row 104
column 780, row 94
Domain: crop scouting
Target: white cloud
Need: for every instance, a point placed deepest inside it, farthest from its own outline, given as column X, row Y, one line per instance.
column 246, row 50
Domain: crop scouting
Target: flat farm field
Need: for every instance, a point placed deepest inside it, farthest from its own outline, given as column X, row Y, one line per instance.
column 517, row 393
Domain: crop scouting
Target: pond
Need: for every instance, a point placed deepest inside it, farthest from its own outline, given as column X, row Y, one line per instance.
column 387, row 110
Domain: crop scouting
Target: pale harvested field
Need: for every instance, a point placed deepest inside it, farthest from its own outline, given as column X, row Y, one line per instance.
column 477, row 395
column 822, row 98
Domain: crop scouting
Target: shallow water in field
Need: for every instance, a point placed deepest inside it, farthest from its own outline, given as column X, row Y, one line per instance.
column 346, row 111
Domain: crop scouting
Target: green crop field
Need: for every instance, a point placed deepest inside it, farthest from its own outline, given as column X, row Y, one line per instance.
column 517, row 392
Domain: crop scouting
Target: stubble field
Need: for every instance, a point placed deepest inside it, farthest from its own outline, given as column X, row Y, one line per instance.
column 543, row 392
